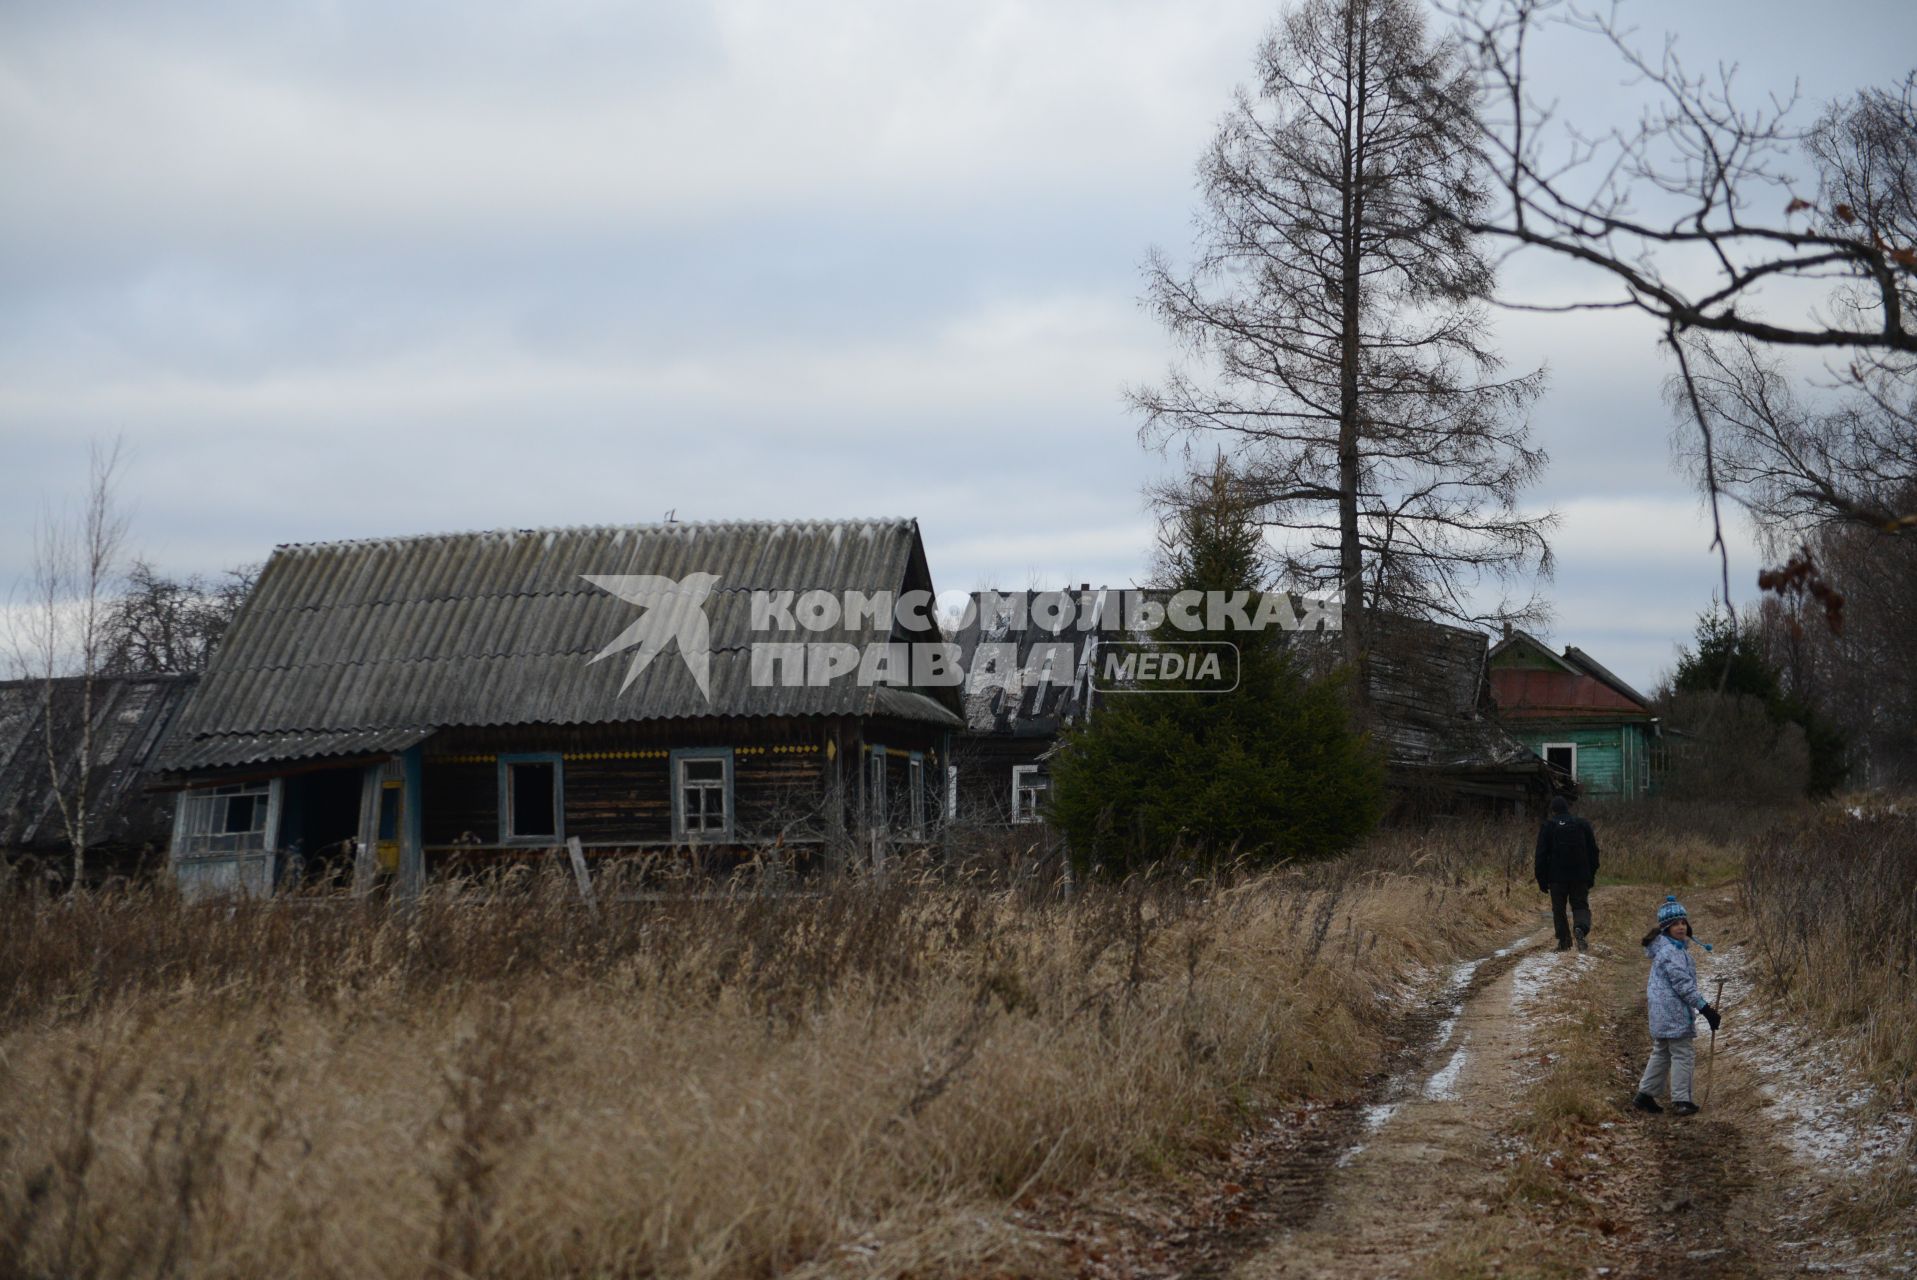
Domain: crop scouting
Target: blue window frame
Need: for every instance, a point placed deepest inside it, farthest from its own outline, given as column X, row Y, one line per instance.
column 875, row 807
column 702, row 793
column 532, row 799
column 915, row 771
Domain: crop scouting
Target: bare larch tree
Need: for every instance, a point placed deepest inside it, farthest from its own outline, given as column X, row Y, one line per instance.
column 1333, row 323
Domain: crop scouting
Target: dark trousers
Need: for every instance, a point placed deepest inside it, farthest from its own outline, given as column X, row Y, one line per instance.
column 1578, row 896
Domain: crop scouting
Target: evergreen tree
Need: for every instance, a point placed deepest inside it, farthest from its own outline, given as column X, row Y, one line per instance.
column 1272, row 769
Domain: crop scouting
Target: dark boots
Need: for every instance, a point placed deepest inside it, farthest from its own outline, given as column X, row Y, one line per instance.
column 1645, row 1102
column 1685, row 1108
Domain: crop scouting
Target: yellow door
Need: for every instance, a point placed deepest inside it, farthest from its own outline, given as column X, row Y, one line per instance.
column 386, row 847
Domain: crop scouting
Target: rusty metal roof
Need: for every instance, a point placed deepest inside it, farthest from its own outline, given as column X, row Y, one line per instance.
column 347, row 643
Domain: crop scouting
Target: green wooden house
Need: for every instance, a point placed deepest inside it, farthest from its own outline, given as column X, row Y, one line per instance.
column 1575, row 714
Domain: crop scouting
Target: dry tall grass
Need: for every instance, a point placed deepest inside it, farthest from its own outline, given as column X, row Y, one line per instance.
column 1833, row 907
column 499, row 1083
column 869, row 1077
column 1833, row 902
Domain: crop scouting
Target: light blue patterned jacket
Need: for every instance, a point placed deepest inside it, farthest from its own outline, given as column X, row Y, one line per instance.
column 1671, row 994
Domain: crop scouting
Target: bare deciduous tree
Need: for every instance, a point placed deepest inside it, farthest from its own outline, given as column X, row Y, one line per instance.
column 1796, row 456
column 164, row 624
column 1739, row 233
column 1862, row 673
column 1342, row 320
column 1691, row 212
column 60, row 636
column 1802, row 452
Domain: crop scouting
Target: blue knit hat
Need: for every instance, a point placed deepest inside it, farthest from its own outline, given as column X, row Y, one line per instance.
column 1670, row 910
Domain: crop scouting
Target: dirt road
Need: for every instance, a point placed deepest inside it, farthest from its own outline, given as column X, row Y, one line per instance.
column 1509, row 1148
column 1502, row 1143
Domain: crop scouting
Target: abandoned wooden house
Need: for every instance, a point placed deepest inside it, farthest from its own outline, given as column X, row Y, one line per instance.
column 41, row 722
column 382, row 709
column 1012, row 723
column 1429, row 701
column 1446, row 752
column 1593, row 728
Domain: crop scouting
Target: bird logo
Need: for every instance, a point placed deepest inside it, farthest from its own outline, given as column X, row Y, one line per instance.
column 674, row 610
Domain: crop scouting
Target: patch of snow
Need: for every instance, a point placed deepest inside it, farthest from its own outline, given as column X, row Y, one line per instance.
column 1443, row 1087
column 1536, row 978
column 1461, row 975
column 1821, row 1108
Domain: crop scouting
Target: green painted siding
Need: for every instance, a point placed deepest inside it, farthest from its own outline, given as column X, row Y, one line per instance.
column 1611, row 758
column 1524, row 657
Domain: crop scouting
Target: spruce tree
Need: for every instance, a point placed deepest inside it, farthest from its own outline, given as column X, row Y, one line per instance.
column 1272, row 769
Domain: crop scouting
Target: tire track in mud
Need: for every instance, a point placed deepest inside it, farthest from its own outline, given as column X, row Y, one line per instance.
column 1284, row 1177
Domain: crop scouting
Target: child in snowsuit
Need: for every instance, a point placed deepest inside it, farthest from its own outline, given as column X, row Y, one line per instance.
column 1673, row 1000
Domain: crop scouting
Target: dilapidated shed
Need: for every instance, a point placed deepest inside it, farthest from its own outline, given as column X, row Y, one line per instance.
column 1431, row 705
column 127, row 823
column 387, row 707
column 1025, row 684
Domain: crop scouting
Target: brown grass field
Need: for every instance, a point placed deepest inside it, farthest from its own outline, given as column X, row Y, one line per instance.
column 871, row 1076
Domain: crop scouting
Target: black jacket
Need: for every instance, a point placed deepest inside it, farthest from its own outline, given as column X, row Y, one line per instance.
column 1567, row 851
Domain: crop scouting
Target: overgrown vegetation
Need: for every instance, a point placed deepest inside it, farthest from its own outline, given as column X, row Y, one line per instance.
column 1753, row 738
column 1834, row 904
column 502, row 1083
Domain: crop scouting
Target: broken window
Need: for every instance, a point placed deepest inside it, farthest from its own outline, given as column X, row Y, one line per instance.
column 221, row 839
column 1028, row 789
column 224, row 820
column 702, row 792
column 529, row 802
column 1562, row 755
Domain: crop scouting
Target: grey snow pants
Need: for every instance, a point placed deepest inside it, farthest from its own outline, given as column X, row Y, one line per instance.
column 1674, row 1060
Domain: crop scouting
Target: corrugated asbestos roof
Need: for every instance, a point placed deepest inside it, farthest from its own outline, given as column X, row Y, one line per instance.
column 349, row 647
column 130, row 717
column 221, row 750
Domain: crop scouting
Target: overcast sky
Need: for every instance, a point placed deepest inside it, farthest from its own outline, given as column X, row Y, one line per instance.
column 349, row 269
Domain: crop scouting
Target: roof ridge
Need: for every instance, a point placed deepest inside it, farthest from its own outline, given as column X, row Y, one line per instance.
column 647, row 526
column 1605, row 675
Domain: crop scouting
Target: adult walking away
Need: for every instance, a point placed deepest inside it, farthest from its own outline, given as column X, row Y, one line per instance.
column 1567, row 867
